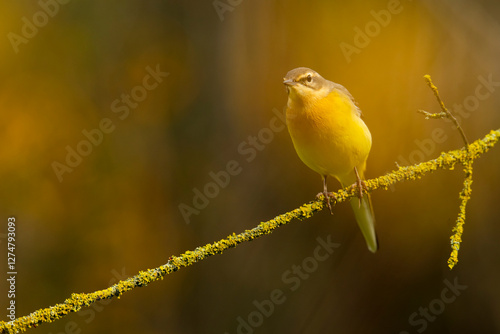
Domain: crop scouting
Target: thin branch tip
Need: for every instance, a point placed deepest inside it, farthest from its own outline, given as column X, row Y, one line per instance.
column 445, row 113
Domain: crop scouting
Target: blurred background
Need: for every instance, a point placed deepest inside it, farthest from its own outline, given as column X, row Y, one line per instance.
column 170, row 92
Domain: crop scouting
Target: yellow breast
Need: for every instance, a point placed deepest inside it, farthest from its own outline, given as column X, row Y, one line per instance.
column 328, row 134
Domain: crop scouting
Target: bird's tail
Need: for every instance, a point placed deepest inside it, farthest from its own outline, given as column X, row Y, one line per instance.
column 366, row 220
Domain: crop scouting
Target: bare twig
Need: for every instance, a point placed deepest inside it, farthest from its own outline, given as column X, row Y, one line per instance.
column 445, row 113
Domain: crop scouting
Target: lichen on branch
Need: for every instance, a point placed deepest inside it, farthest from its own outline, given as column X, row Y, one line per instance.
column 77, row 301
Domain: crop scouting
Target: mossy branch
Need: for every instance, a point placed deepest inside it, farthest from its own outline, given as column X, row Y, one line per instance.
column 448, row 160
column 77, row 301
column 456, row 238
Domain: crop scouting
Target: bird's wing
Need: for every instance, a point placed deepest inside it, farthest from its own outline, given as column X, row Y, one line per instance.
column 335, row 86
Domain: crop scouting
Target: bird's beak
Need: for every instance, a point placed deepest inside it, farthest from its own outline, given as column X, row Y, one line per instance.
column 289, row 82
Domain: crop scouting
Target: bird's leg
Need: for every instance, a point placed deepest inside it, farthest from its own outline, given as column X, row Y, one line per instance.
column 326, row 194
column 360, row 185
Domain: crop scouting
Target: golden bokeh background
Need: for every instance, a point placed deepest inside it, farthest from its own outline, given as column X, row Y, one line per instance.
column 117, row 211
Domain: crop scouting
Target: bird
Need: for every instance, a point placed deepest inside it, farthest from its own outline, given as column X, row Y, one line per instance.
column 330, row 138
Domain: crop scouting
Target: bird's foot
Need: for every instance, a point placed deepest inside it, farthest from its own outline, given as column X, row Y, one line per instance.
column 327, row 196
column 360, row 185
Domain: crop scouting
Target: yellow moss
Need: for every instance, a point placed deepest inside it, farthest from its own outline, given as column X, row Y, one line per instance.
column 458, row 230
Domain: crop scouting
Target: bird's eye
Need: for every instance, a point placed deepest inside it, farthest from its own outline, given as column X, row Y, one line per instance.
column 309, row 78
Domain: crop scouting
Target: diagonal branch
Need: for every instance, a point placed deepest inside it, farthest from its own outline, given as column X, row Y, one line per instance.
column 77, row 301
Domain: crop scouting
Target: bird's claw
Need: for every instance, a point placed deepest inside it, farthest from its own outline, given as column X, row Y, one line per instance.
column 360, row 185
column 327, row 196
